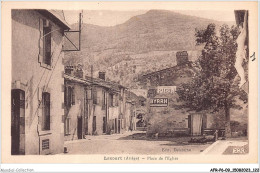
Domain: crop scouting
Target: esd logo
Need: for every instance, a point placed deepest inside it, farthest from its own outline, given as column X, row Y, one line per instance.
column 239, row 150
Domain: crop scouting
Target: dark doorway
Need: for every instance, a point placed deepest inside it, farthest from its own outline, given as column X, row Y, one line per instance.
column 86, row 113
column 119, row 125
column 18, row 122
column 204, row 122
column 189, row 124
column 94, row 128
column 140, row 122
column 79, row 128
column 104, row 125
column 116, row 126
column 196, row 123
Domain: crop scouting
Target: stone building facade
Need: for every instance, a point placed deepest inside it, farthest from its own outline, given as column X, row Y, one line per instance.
column 168, row 119
column 37, row 82
column 173, row 119
column 93, row 106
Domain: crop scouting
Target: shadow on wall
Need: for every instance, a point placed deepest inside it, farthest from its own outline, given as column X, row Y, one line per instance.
column 168, row 122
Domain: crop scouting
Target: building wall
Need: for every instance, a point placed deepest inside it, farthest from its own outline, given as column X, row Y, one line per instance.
column 99, row 118
column 122, row 109
column 179, row 122
column 113, row 113
column 173, row 76
column 75, row 110
column 128, row 115
column 167, row 120
column 30, row 76
column 98, row 112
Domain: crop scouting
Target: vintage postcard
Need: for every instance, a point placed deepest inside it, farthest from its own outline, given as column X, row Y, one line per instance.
column 129, row 82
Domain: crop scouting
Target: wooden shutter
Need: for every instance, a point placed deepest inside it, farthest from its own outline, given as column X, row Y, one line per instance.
column 65, row 95
column 94, row 96
column 103, row 99
column 114, row 100
column 67, row 126
column 73, row 96
column 69, row 96
column 40, row 57
column 47, row 42
column 46, row 111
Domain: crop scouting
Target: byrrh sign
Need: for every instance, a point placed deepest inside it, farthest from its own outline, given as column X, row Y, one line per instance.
column 159, row 102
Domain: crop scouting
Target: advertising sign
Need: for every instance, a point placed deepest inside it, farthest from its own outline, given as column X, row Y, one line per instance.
column 166, row 89
column 159, row 102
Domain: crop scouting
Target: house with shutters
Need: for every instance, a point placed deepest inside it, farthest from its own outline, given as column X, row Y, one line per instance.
column 93, row 106
column 37, row 123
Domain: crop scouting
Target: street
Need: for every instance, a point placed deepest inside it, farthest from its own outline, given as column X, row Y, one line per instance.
column 133, row 143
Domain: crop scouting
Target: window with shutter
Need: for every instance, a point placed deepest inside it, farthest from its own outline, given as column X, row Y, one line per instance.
column 73, row 97
column 65, row 95
column 115, row 100
column 94, row 96
column 70, row 96
column 111, row 100
column 45, row 43
column 103, row 99
column 67, row 126
column 46, row 111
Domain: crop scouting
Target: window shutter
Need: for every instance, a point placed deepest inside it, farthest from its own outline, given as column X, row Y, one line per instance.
column 46, row 111
column 67, row 126
column 41, row 40
column 69, row 99
column 47, row 44
column 52, row 48
column 94, row 96
column 65, row 95
column 114, row 100
column 73, row 96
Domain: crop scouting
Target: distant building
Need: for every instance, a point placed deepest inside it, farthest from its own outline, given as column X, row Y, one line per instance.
column 172, row 76
column 37, row 82
column 161, row 85
column 136, row 107
column 93, row 106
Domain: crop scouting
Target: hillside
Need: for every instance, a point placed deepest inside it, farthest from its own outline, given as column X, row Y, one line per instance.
column 144, row 43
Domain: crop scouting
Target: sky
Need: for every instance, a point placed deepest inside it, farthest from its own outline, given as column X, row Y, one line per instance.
column 112, row 18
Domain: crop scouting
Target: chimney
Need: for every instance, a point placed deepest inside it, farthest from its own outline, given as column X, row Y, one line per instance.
column 78, row 73
column 102, row 75
column 182, row 57
column 69, row 69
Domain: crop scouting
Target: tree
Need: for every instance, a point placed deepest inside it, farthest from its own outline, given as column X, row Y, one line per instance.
column 215, row 86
